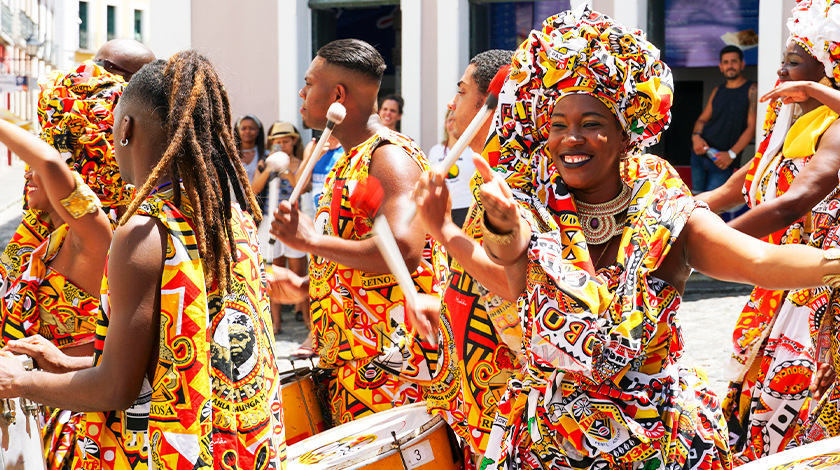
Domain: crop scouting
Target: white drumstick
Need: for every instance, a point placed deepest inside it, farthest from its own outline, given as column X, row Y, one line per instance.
column 480, row 118
column 273, row 201
column 335, row 115
column 387, row 245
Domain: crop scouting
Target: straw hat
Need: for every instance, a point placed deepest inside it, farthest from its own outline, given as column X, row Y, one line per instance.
column 282, row 129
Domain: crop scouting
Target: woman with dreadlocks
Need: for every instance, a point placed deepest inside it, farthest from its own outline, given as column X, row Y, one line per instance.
column 184, row 343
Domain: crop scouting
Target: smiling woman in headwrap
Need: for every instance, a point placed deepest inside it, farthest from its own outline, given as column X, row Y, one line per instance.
column 602, row 387
column 51, row 271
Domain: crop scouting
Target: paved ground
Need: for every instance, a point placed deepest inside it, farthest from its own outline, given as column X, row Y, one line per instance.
column 707, row 327
column 708, row 313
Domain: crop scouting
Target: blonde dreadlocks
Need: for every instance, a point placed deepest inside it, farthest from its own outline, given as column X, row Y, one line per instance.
column 186, row 94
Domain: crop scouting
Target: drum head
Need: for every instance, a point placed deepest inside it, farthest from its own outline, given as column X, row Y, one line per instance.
column 363, row 440
column 817, row 455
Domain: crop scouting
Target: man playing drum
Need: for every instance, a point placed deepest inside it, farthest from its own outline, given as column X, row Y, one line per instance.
column 377, row 361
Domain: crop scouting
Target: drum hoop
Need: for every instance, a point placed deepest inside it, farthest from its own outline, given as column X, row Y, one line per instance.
column 297, row 374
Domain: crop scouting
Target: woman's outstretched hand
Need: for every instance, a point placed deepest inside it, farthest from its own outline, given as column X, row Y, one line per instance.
column 790, row 92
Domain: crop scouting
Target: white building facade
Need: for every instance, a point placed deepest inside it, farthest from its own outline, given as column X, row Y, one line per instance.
column 28, row 49
column 262, row 48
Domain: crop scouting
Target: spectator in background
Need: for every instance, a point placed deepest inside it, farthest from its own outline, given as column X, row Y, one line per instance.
column 284, row 137
column 726, row 125
column 390, row 111
column 459, row 176
column 250, row 136
column 330, row 154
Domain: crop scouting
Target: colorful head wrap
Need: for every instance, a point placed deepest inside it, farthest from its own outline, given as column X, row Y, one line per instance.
column 76, row 113
column 577, row 52
column 815, row 25
column 581, row 51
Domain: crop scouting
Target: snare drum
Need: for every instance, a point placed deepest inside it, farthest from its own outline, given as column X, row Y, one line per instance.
column 302, row 412
column 20, row 433
column 823, row 454
column 402, row 438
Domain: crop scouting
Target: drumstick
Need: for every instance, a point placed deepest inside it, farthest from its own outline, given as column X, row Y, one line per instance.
column 393, row 258
column 273, row 198
column 367, row 198
column 335, row 115
column 486, row 111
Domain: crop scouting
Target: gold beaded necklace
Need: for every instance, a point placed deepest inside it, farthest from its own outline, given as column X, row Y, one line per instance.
column 598, row 220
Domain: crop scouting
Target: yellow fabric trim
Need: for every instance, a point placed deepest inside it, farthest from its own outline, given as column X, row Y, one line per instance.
column 803, row 136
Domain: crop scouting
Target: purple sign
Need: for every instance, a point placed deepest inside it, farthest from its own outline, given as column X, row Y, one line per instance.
column 695, row 32
column 512, row 22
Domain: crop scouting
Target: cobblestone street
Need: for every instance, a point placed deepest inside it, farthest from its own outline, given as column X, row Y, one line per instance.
column 707, row 326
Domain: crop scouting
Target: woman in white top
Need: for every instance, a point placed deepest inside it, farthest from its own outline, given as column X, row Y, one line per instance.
column 459, row 176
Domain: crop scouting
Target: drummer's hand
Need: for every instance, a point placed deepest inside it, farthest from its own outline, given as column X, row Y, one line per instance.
column 426, row 320
column 292, row 227
column 10, row 369
column 823, row 378
column 286, row 287
column 46, row 355
column 500, row 207
column 434, row 205
column 790, row 92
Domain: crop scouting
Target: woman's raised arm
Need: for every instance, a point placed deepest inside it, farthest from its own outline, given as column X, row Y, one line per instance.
column 91, row 228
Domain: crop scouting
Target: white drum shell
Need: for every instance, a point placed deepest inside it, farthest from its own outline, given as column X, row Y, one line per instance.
column 809, row 451
column 402, row 420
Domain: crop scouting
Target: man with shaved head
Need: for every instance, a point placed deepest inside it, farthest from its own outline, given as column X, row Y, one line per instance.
column 357, row 306
column 123, row 57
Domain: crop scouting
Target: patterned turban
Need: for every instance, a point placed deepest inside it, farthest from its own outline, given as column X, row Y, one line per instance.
column 577, row 52
column 76, row 113
column 584, row 52
column 815, row 25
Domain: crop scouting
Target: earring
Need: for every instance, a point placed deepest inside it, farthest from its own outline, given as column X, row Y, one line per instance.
column 827, row 82
column 124, row 141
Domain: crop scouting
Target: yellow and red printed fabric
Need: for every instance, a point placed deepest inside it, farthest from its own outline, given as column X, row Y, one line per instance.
column 214, row 401
column 377, row 360
column 771, row 364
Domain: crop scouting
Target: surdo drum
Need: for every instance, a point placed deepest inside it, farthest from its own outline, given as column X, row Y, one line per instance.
column 303, row 412
column 405, row 438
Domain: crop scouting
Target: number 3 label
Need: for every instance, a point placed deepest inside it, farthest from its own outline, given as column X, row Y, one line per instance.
column 418, row 455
